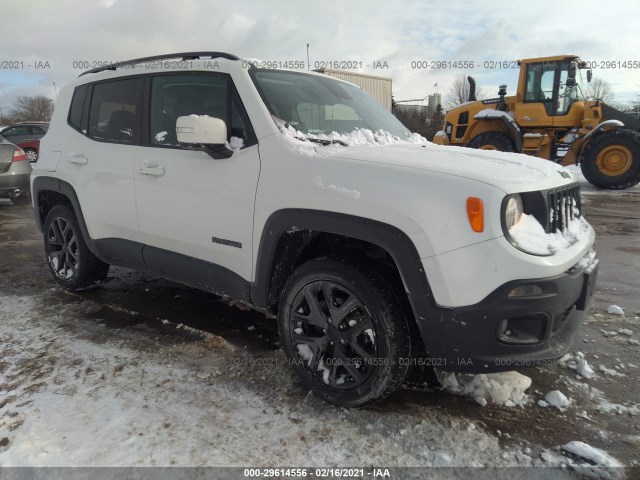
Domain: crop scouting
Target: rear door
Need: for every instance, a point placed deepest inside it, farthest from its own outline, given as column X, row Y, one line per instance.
column 98, row 156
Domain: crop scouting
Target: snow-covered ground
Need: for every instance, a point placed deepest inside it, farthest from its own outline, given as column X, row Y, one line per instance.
column 74, row 392
column 587, row 188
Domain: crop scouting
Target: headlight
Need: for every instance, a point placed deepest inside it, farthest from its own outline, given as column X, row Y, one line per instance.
column 513, row 211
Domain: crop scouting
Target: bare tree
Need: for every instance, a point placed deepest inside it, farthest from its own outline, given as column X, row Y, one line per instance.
column 459, row 92
column 36, row 108
column 418, row 119
column 600, row 89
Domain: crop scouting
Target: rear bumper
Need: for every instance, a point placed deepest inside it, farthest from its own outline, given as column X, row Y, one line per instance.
column 14, row 179
column 502, row 333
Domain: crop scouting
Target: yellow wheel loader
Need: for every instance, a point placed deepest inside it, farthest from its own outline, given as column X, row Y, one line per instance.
column 548, row 117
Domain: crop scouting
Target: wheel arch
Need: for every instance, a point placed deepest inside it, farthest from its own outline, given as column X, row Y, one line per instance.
column 493, row 124
column 288, row 233
column 50, row 191
column 607, row 126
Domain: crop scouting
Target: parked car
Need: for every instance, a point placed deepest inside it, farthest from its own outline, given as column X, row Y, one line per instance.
column 14, row 173
column 25, row 135
column 31, row 148
column 299, row 195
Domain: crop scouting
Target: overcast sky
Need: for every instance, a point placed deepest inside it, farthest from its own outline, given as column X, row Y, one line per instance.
column 55, row 34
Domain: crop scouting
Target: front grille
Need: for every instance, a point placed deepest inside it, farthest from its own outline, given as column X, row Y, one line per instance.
column 564, row 206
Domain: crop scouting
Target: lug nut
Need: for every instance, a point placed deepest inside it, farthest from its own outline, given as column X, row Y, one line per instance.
column 330, row 321
column 342, row 341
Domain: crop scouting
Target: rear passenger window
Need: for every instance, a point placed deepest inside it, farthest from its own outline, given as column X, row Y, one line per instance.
column 113, row 111
column 77, row 106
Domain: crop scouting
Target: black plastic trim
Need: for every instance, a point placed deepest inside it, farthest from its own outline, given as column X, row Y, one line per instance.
column 394, row 241
column 183, row 56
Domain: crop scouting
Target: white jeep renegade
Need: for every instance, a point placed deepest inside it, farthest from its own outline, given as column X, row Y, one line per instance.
column 301, row 196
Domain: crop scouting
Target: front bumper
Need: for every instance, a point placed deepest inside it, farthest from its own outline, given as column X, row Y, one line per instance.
column 507, row 333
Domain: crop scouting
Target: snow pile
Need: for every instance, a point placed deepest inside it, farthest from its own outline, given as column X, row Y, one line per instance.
column 578, row 363
column 358, row 137
column 505, row 388
column 595, row 455
column 584, row 369
column 530, row 235
column 557, row 399
column 493, row 113
column 615, row 310
column 235, row 144
column 354, row 194
column 610, row 372
column 607, row 407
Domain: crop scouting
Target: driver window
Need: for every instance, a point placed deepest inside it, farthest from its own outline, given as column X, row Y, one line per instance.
column 174, row 96
column 565, row 94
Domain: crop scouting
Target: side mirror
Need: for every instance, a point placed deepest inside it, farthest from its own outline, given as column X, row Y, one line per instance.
column 201, row 130
column 589, row 76
column 571, row 82
column 572, row 72
column 205, row 133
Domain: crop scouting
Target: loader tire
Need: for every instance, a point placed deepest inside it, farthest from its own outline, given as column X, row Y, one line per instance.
column 492, row 141
column 612, row 160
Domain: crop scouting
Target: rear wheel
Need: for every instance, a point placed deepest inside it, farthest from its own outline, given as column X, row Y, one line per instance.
column 32, row 154
column 344, row 331
column 492, row 141
column 69, row 259
column 613, row 160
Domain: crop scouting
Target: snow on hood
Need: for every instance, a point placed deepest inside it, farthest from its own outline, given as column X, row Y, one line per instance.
column 511, row 172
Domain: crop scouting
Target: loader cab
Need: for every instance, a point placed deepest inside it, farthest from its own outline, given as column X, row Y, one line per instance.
column 549, row 88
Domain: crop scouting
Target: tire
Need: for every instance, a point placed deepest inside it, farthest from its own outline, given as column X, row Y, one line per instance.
column 70, row 262
column 354, row 350
column 612, row 160
column 32, row 154
column 492, row 141
column 23, row 199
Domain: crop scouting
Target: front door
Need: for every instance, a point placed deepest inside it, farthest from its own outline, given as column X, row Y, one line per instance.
column 188, row 202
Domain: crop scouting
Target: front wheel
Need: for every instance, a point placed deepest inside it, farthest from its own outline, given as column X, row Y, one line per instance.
column 345, row 332
column 492, row 141
column 70, row 261
column 612, row 160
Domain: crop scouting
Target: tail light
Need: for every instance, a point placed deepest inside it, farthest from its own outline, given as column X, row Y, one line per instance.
column 19, row 155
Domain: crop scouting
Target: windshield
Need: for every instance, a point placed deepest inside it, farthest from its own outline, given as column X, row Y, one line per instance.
column 319, row 105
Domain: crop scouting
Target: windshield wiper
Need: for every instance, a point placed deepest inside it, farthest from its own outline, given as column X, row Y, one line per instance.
column 321, row 141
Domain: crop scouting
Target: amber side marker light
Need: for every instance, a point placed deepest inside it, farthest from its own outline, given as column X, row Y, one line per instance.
column 475, row 212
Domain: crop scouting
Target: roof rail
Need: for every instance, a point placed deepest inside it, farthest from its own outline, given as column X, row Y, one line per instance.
column 183, row 56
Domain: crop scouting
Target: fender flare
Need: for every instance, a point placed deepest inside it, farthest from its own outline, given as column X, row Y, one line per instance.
column 606, row 126
column 511, row 128
column 45, row 183
column 391, row 239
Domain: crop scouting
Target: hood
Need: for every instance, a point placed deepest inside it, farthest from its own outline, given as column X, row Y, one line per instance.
column 511, row 172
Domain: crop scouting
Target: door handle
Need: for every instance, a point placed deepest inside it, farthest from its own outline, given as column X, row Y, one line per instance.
column 155, row 171
column 78, row 159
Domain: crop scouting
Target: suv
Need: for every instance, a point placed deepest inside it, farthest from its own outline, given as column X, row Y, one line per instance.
column 26, row 135
column 302, row 197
